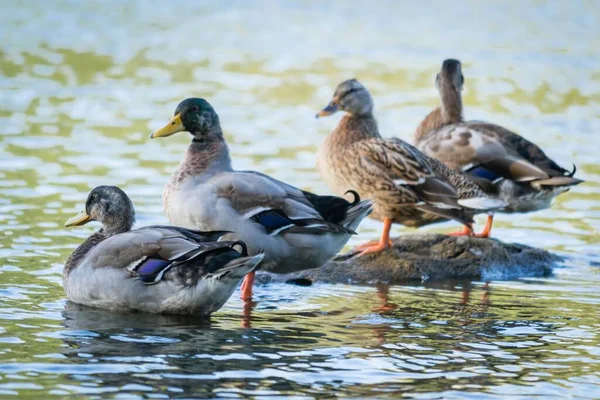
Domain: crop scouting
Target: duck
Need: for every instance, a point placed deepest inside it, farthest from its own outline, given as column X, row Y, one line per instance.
column 406, row 186
column 503, row 164
column 154, row 269
column 295, row 229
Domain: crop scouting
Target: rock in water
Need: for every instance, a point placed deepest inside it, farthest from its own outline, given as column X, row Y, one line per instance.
column 430, row 257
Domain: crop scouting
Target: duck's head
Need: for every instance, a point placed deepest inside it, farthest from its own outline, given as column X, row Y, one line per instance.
column 108, row 205
column 450, row 76
column 349, row 96
column 193, row 115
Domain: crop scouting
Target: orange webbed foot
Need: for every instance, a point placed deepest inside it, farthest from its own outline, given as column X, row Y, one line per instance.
column 466, row 231
column 376, row 248
column 372, row 243
column 382, row 244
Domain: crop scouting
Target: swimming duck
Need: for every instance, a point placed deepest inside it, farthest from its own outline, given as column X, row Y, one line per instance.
column 503, row 163
column 296, row 229
column 406, row 186
column 157, row 269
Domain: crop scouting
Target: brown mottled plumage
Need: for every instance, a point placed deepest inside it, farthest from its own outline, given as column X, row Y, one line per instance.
column 500, row 161
column 407, row 186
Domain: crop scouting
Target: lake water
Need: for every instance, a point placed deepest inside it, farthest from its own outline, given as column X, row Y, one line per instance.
column 83, row 84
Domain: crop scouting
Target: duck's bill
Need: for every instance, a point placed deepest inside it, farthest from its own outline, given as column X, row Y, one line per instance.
column 330, row 109
column 80, row 219
column 175, row 125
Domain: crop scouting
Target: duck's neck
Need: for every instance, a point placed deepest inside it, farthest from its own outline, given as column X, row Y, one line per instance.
column 352, row 128
column 112, row 227
column 452, row 106
column 204, row 157
column 450, row 112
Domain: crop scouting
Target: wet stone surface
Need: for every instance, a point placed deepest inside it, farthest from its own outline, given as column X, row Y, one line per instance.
column 423, row 257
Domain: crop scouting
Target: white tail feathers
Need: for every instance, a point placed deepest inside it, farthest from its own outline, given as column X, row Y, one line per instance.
column 482, row 203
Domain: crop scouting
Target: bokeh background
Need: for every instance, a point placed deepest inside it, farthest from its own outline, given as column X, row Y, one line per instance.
column 82, row 84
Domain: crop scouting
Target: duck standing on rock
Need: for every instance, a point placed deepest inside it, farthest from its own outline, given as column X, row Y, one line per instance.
column 157, row 269
column 407, row 186
column 296, row 229
column 501, row 162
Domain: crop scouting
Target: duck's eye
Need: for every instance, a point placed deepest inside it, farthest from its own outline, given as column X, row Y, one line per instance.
column 195, row 108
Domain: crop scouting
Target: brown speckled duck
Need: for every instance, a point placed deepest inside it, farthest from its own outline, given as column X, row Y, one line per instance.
column 157, row 269
column 407, row 186
column 296, row 229
column 503, row 163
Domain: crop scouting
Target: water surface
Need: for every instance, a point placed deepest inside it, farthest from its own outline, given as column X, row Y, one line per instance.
column 83, row 83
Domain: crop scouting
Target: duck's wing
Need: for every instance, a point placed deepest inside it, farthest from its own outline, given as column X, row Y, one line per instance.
column 198, row 236
column 277, row 206
column 397, row 163
column 490, row 153
column 495, row 160
column 148, row 253
column 527, row 150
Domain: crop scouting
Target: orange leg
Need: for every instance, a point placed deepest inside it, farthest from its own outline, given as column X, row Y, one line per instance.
column 466, row 231
column 487, row 229
column 384, row 242
column 247, row 286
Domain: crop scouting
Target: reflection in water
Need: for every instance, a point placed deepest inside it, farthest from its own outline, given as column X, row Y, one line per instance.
column 247, row 313
column 436, row 343
column 82, row 85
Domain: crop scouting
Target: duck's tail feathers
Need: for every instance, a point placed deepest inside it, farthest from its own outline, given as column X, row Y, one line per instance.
column 239, row 267
column 556, row 181
column 483, row 203
column 356, row 213
column 437, row 192
column 449, row 213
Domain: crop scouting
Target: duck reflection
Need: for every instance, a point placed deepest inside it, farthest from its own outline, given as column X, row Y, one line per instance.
column 195, row 355
column 464, row 312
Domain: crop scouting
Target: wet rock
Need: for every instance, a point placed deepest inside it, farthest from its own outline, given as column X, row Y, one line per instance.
column 422, row 257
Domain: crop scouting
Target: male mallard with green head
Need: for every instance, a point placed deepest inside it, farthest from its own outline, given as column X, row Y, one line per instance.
column 296, row 229
column 503, row 163
column 157, row 269
column 406, row 186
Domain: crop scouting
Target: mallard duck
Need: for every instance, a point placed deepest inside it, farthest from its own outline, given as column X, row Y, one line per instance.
column 406, row 186
column 157, row 269
column 296, row 229
column 502, row 163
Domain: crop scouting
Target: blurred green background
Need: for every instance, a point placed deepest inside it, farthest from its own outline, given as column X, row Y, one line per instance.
column 84, row 83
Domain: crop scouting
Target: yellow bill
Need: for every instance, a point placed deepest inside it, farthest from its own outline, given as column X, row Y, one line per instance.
column 80, row 219
column 175, row 125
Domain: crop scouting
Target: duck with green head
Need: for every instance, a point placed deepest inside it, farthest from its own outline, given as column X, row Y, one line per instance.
column 296, row 229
